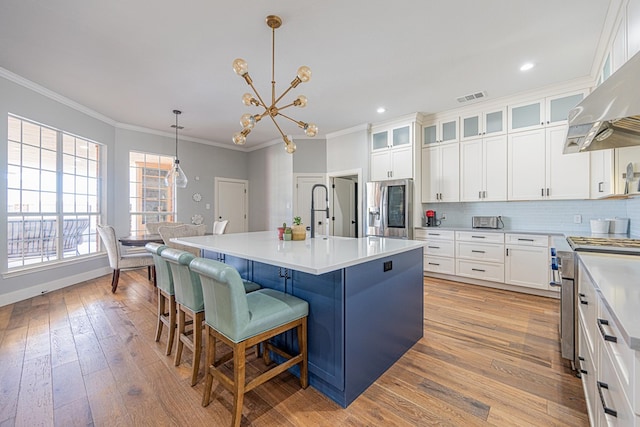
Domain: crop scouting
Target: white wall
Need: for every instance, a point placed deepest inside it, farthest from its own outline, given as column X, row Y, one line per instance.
column 349, row 151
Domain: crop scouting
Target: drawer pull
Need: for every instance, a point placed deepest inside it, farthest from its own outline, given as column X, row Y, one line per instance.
column 607, row 410
column 610, row 338
column 580, row 369
column 433, row 234
column 433, row 263
column 478, row 237
column 433, row 247
column 525, row 240
column 479, row 252
column 582, row 301
column 478, row 269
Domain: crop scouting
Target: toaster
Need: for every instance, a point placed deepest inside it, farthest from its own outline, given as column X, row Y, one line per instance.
column 484, row 221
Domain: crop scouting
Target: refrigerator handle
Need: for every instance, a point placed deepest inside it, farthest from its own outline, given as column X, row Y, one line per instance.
column 383, row 209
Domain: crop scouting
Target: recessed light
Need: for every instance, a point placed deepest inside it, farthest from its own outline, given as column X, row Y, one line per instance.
column 527, row 66
column 381, row 110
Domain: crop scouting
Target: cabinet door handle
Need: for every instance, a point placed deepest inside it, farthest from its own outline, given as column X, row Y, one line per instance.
column 607, row 337
column 600, row 187
column 484, row 194
column 547, row 192
column 478, row 269
column 479, row 252
column 507, row 251
column 580, row 369
column 607, row 410
column 479, row 194
column 583, row 301
column 542, row 192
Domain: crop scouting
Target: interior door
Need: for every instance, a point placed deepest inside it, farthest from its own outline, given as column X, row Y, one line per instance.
column 231, row 203
column 343, row 204
column 302, row 207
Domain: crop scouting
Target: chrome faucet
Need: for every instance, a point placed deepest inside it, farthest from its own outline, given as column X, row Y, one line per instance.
column 313, row 210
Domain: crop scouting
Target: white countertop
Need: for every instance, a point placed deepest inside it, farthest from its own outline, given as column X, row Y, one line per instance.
column 314, row 256
column 617, row 278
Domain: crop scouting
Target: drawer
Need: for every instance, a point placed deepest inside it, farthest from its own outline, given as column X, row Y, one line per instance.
column 480, row 251
column 483, row 237
column 433, row 234
column 440, row 248
column 436, row 264
column 480, row 270
column 527, row 239
column 586, row 366
column 610, row 392
column 587, row 306
column 620, row 354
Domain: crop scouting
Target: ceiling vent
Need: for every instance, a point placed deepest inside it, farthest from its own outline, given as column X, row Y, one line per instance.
column 472, row 96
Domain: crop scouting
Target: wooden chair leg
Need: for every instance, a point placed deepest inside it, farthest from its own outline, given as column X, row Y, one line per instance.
column 181, row 322
column 161, row 307
column 172, row 324
column 239, row 374
column 198, row 318
column 114, row 280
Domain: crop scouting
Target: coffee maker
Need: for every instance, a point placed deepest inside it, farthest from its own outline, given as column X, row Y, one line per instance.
column 431, row 218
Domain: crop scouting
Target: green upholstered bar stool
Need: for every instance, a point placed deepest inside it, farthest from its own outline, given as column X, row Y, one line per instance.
column 241, row 320
column 188, row 293
column 166, row 294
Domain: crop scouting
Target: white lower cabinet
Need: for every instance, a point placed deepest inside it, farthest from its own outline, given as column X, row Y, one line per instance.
column 480, row 255
column 527, row 261
column 609, row 367
column 439, row 251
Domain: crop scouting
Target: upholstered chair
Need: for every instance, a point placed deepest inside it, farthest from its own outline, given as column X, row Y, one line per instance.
column 117, row 260
column 241, row 320
column 152, row 227
column 185, row 230
column 189, row 303
column 220, row 226
column 166, row 295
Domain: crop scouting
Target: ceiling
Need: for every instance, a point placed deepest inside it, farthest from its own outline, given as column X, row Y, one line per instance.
column 136, row 61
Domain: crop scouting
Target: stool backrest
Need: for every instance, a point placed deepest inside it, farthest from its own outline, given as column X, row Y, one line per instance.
column 186, row 283
column 164, row 278
column 225, row 300
column 185, row 230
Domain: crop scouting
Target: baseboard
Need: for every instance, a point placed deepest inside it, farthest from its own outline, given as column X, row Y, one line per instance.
column 43, row 288
column 495, row 285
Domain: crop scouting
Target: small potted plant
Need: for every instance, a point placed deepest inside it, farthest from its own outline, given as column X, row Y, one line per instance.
column 288, row 234
column 299, row 230
column 281, row 230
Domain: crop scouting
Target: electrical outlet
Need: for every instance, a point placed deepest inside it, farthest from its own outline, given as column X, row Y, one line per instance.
column 577, row 219
column 443, row 217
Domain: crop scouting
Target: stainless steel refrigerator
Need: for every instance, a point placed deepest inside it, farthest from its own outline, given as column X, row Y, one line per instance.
column 389, row 209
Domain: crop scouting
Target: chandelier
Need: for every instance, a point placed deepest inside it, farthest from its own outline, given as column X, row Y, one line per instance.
column 175, row 174
column 248, row 121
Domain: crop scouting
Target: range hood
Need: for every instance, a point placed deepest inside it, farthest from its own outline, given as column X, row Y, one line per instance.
column 609, row 117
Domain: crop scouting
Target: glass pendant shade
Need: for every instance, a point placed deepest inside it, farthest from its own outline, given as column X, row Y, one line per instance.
column 176, row 175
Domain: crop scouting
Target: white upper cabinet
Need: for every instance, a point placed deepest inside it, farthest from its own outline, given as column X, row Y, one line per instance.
column 549, row 111
column 445, row 130
column 602, row 177
column 489, row 123
column 483, row 169
column 392, row 152
column 633, row 28
column 441, row 173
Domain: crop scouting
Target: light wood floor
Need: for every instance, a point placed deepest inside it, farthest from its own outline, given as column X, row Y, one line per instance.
column 83, row 356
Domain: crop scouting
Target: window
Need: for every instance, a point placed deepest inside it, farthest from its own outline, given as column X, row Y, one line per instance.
column 53, row 194
column 149, row 199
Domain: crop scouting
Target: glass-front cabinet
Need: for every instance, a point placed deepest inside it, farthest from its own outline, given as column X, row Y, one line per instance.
column 550, row 111
column 445, row 130
column 480, row 124
column 391, row 152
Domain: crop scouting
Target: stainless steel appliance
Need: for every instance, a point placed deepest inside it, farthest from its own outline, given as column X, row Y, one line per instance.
column 564, row 266
column 486, row 221
column 390, row 209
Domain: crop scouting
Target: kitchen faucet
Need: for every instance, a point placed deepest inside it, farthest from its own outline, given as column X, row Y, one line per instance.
column 313, row 211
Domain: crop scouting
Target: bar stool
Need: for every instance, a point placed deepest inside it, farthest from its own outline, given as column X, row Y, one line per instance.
column 241, row 320
column 188, row 294
column 166, row 294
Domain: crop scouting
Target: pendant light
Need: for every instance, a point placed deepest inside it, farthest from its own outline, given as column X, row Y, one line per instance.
column 176, row 175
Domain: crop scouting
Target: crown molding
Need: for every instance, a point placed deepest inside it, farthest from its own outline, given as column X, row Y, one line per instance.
column 363, row 127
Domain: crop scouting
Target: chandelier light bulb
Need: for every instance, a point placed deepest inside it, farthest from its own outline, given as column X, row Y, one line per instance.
column 240, row 66
column 311, row 129
column 304, row 73
column 247, row 99
column 290, row 147
column 247, row 121
column 239, row 138
column 301, row 101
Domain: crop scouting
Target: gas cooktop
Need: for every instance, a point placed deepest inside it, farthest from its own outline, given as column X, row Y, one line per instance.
column 605, row 244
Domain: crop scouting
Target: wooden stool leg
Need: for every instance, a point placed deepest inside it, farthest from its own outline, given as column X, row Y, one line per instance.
column 197, row 346
column 238, row 381
column 302, row 345
column 181, row 322
column 210, row 359
column 172, row 324
column 161, row 308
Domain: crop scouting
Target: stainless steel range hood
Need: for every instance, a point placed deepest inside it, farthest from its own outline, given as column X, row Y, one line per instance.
column 609, row 117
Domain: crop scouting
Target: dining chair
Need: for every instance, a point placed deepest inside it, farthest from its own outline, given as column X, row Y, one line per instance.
column 241, row 320
column 119, row 261
column 152, row 227
column 166, row 295
column 220, row 226
column 185, row 230
column 189, row 303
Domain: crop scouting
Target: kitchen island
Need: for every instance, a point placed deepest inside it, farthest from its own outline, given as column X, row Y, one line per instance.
column 365, row 299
